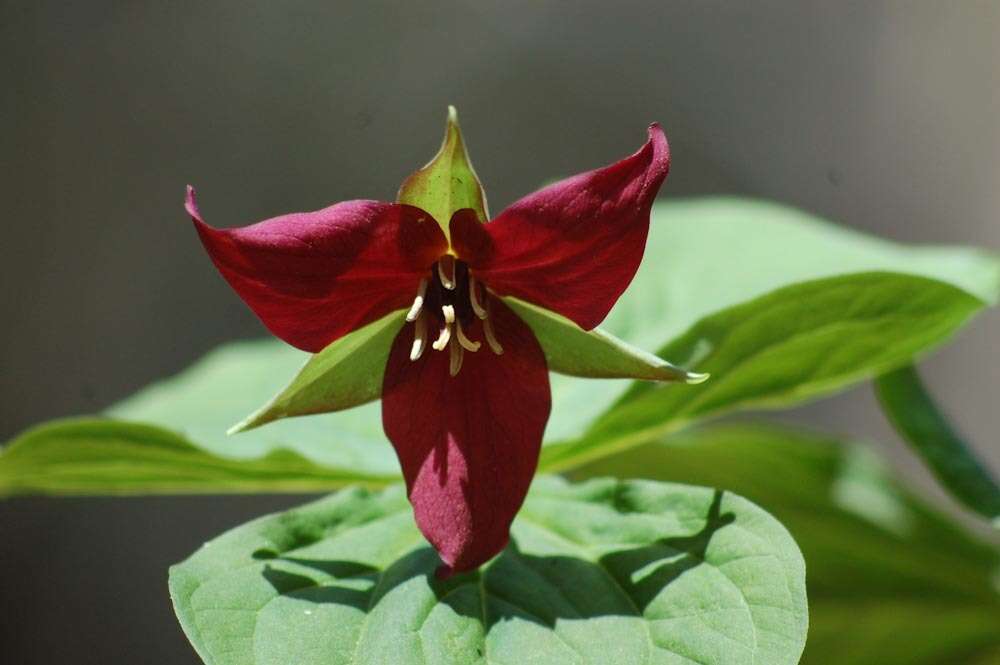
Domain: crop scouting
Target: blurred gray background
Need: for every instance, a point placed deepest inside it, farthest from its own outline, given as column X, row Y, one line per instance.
column 882, row 116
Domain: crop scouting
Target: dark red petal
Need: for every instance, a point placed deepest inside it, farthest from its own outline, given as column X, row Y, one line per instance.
column 313, row 277
column 574, row 246
column 468, row 444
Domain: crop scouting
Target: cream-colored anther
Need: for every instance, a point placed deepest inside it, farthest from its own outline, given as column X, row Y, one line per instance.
column 449, row 313
column 446, row 271
column 491, row 339
column 419, row 338
column 418, row 302
column 455, row 360
column 466, row 343
column 477, row 306
column 443, row 338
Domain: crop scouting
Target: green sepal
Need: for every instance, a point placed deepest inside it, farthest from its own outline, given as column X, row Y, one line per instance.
column 595, row 353
column 448, row 182
column 345, row 374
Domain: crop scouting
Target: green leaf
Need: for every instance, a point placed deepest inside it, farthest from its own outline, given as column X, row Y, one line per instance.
column 595, row 353
column 917, row 418
column 602, row 572
column 882, row 565
column 203, row 401
column 799, row 342
column 95, row 456
column 193, row 410
column 704, row 260
column 345, row 374
column 448, row 182
column 708, row 254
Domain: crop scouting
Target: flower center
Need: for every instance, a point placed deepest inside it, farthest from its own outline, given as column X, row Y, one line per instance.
column 452, row 302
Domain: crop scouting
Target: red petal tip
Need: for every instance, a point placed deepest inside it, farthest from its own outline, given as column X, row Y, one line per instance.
column 191, row 205
column 574, row 246
column 661, row 148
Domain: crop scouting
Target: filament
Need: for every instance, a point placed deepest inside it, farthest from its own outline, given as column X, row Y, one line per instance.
column 455, row 361
column 477, row 306
column 491, row 339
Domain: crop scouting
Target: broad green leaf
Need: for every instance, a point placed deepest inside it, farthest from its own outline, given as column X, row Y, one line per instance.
column 918, row 419
column 448, row 182
column 95, row 456
column 799, row 342
column 706, row 256
column 594, row 354
column 709, row 254
column 345, row 374
column 890, row 581
column 203, row 401
column 192, row 411
column 601, row 572
column 705, row 260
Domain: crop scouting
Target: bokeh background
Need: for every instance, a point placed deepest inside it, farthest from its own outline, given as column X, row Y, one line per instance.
column 884, row 116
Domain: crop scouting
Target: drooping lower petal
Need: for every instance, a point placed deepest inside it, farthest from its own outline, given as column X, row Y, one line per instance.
column 468, row 444
column 314, row 277
column 572, row 247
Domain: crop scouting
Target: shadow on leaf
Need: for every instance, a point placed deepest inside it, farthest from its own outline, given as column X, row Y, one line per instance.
column 517, row 585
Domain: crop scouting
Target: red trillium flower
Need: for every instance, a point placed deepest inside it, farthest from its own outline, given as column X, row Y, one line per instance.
column 465, row 390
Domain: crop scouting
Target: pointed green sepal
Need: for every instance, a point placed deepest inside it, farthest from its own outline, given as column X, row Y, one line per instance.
column 448, row 182
column 345, row 374
column 594, row 353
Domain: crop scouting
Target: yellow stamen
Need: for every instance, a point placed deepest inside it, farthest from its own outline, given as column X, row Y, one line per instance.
column 466, row 343
column 449, row 313
column 419, row 338
column 443, row 338
column 418, row 302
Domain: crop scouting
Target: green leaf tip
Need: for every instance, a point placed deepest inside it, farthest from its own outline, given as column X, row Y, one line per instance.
column 448, row 182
